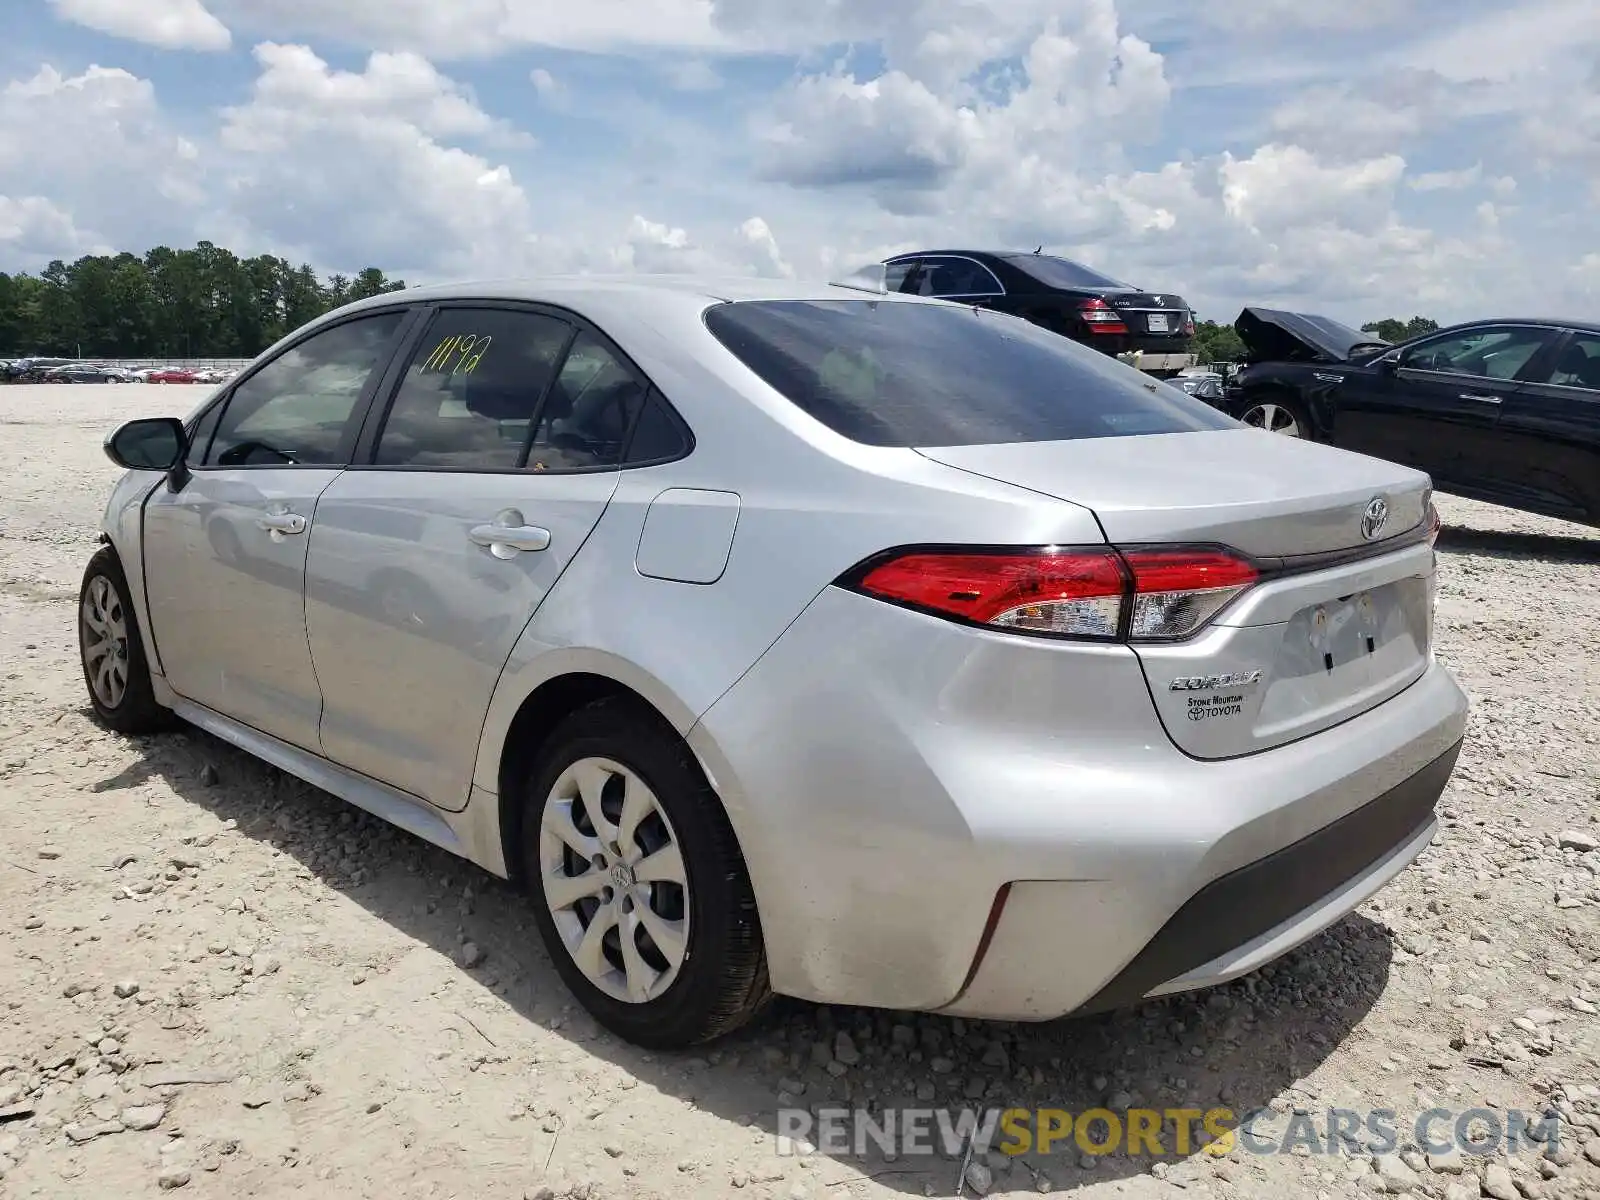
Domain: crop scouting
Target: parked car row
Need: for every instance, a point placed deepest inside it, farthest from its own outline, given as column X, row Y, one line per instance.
column 56, row 370
column 1505, row 410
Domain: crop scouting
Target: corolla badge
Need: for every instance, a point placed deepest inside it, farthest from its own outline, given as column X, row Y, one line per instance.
column 1212, row 683
column 1374, row 518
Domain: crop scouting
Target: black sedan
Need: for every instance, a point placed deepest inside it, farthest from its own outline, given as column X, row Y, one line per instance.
column 1059, row 294
column 1506, row 411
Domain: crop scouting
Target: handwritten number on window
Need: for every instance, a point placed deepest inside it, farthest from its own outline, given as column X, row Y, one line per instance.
column 457, row 355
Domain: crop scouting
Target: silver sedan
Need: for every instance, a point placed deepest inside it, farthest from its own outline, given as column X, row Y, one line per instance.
column 795, row 639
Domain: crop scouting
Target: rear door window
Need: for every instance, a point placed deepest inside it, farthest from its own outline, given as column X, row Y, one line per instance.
column 590, row 411
column 958, row 277
column 1578, row 363
column 471, row 390
column 898, row 373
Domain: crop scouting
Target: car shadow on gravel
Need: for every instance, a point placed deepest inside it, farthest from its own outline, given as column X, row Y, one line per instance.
column 1498, row 543
column 1236, row 1047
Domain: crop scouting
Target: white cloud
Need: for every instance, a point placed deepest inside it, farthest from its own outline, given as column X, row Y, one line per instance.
column 1440, row 181
column 466, row 28
column 332, row 160
column 1277, row 15
column 126, row 179
column 758, row 237
column 1279, row 187
column 691, row 75
column 170, row 24
column 1349, row 119
column 544, row 83
column 33, row 230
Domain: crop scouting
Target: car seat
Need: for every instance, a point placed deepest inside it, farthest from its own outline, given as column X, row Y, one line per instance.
column 1577, row 368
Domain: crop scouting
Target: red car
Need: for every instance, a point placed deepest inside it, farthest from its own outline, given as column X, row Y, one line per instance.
column 170, row 376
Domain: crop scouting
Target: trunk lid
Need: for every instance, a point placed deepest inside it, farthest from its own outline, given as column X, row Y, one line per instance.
column 1272, row 335
column 1307, row 647
column 1159, row 313
column 1264, row 494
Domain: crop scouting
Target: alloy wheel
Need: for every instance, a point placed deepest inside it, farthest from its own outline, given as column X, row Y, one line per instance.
column 105, row 641
column 1274, row 418
column 614, row 880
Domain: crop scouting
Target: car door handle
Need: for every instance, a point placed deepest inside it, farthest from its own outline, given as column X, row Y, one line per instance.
column 282, row 522
column 502, row 537
column 1480, row 399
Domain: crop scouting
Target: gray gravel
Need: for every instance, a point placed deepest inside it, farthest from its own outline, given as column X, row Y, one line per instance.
column 219, row 981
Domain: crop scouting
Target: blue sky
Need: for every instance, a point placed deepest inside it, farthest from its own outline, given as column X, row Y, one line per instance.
column 1385, row 157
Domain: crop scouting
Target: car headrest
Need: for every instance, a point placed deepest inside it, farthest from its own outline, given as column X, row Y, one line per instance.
column 504, row 398
column 1580, row 365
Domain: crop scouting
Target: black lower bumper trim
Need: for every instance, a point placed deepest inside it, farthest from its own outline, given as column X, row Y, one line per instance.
column 1244, row 904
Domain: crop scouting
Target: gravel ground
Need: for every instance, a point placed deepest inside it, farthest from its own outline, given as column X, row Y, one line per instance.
column 217, row 979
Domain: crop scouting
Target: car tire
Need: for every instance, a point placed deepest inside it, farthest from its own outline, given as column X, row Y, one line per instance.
column 1278, row 412
column 120, row 693
column 698, row 969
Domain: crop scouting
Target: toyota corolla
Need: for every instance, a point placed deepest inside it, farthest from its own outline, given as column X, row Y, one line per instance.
column 795, row 639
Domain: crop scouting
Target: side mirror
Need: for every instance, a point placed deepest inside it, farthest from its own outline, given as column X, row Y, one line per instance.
column 148, row 444
column 1389, row 364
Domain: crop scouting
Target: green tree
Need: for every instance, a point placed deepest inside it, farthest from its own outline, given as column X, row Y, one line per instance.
column 1392, row 329
column 1217, row 343
column 204, row 302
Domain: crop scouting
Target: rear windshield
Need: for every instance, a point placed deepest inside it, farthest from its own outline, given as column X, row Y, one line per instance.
column 893, row 373
column 1063, row 272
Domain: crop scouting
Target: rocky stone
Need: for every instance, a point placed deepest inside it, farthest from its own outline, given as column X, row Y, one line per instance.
column 125, row 989
column 1581, row 841
column 1452, row 1162
column 979, row 1178
column 844, row 1049
column 143, row 1116
column 1394, row 1176
column 172, row 1177
column 1498, row 1184
column 472, row 955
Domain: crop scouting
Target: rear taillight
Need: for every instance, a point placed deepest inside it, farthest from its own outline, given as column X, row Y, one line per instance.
column 1101, row 317
column 1175, row 592
column 1435, row 523
column 1188, row 326
column 1102, row 594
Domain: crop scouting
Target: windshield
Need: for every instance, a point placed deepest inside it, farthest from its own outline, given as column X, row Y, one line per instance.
column 1063, row 272
column 892, row 373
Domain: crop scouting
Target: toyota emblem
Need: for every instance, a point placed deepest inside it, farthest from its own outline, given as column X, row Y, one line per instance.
column 1374, row 518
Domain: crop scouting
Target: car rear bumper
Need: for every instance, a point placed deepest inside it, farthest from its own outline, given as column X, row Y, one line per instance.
column 1154, row 353
column 1231, row 926
column 941, row 818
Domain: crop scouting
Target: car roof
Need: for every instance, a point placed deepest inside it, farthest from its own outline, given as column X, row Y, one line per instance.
column 964, row 253
column 1561, row 322
column 610, row 290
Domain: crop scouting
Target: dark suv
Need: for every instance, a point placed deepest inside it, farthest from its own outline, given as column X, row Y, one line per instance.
column 1059, row 294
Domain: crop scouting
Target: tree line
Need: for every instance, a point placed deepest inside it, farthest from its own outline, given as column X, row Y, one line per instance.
column 201, row 303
